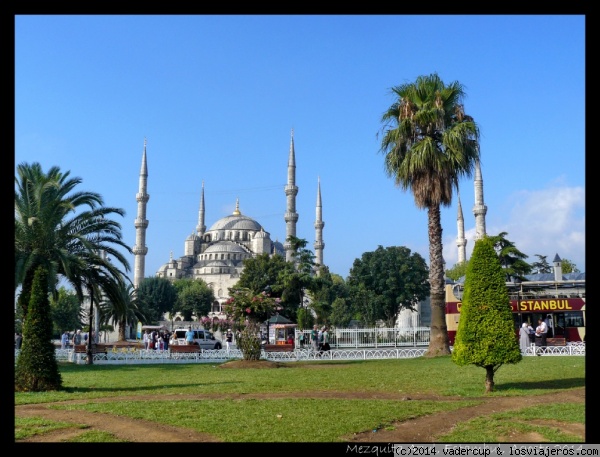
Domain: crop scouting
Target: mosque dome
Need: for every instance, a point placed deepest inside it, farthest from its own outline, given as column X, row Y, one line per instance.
column 224, row 246
column 236, row 222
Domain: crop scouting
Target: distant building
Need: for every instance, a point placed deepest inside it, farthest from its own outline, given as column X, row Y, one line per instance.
column 216, row 255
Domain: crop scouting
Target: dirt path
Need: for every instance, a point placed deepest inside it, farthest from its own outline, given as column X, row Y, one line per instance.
column 420, row 430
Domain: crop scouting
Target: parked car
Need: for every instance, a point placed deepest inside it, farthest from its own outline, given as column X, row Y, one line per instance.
column 203, row 338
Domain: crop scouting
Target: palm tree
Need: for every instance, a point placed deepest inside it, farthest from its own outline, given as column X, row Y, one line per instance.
column 429, row 143
column 51, row 230
column 67, row 233
column 121, row 306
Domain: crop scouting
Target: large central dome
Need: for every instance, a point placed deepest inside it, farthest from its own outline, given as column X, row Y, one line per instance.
column 236, row 222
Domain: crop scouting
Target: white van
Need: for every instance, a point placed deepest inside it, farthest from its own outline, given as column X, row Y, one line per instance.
column 203, row 338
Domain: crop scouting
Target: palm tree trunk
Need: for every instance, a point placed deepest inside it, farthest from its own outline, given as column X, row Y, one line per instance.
column 122, row 326
column 438, row 343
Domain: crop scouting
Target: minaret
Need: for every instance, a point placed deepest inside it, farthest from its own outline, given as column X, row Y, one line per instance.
column 461, row 241
column 479, row 210
column 319, row 224
column 201, row 228
column 141, row 224
column 291, row 190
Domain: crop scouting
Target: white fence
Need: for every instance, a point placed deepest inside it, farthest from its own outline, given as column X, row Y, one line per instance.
column 372, row 337
column 145, row 356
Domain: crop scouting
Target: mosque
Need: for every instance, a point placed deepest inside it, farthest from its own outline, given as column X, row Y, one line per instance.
column 216, row 255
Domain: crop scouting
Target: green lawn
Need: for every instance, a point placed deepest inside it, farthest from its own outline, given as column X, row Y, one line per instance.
column 251, row 420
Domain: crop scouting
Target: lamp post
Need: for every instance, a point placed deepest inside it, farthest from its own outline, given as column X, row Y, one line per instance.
column 267, row 290
column 90, row 356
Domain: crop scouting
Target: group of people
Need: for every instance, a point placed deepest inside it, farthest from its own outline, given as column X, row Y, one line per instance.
column 320, row 339
column 156, row 340
column 528, row 336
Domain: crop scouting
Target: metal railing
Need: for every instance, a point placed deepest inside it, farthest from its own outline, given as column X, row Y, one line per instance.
column 136, row 356
column 371, row 337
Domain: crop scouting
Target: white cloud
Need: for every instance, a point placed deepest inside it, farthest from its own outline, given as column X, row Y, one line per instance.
column 547, row 222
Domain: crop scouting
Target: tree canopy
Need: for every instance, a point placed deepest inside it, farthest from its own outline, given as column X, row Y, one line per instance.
column 396, row 279
column 486, row 335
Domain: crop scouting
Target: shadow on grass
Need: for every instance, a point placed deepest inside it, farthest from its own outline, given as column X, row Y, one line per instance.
column 162, row 387
column 553, row 384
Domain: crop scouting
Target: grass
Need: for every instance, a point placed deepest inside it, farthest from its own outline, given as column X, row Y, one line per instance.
column 293, row 419
column 507, row 423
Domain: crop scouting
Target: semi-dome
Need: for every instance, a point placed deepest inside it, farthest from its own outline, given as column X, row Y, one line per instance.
column 224, row 246
column 191, row 237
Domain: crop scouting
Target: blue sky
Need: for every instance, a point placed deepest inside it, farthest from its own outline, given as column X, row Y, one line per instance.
column 216, row 98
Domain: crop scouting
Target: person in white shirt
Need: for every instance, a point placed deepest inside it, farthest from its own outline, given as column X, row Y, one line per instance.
column 540, row 334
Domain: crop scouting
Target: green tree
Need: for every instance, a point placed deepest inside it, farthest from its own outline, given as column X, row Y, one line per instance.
column 36, row 368
column 247, row 310
column 397, row 277
column 300, row 279
column 365, row 305
column 156, row 296
column 65, row 311
column 511, row 259
column 542, row 265
column 341, row 313
column 121, row 307
column 194, row 297
column 67, row 232
column 262, row 271
column 457, row 271
column 429, row 143
column 569, row 267
column 485, row 336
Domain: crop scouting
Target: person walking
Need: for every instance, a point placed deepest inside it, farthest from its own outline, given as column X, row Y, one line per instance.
column 228, row 339
column 18, row 340
column 64, row 340
column 524, row 338
column 314, row 336
column 325, row 346
column 77, row 337
column 540, row 336
column 189, row 336
column 320, row 341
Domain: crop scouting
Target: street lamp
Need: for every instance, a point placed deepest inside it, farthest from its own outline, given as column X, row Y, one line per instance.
column 90, row 356
column 267, row 290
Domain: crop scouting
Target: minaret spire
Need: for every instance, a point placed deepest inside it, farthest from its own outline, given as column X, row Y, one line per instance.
column 461, row 241
column 319, row 224
column 291, row 190
column 201, row 228
column 479, row 210
column 141, row 224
